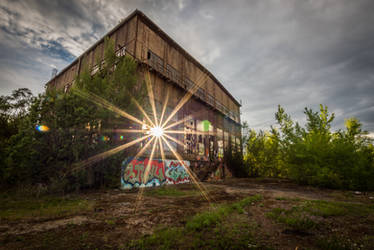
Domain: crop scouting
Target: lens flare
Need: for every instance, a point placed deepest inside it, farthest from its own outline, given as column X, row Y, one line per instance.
column 157, row 131
column 42, row 128
column 104, row 138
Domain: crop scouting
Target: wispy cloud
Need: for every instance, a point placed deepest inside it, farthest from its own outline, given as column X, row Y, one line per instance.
column 293, row 53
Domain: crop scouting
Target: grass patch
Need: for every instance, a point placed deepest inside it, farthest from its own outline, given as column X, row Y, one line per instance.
column 41, row 208
column 219, row 228
column 329, row 209
column 334, row 243
column 164, row 238
column 300, row 216
column 169, row 191
column 214, row 217
column 111, row 222
column 294, row 218
column 325, row 209
column 281, row 198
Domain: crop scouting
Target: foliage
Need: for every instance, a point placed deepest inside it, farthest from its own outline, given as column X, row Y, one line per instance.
column 13, row 207
column 220, row 228
column 169, row 191
column 313, row 154
column 13, row 109
column 208, row 218
column 308, row 215
column 294, row 218
column 234, row 160
column 78, row 128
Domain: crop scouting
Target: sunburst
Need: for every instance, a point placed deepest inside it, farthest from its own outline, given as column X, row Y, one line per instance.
column 159, row 132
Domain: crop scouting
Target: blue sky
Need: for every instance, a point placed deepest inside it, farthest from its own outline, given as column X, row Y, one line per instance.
column 291, row 52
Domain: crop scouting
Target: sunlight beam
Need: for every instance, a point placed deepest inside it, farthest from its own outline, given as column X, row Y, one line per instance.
column 165, row 105
column 178, row 122
column 186, row 118
column 106, row 154
column 145, row 178
column 105, row 104
column 162, row 150
column 191, row 174
column 151, row 95
column 143, row 112
column 174, row 140
column 144, row 148
column 189, row 132
column 121, row 130
column 185, row 98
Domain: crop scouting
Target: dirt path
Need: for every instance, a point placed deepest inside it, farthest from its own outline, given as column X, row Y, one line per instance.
column 114, row 210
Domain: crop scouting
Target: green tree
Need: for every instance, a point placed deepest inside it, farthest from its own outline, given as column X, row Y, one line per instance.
column 78, row 129
column 313, row 154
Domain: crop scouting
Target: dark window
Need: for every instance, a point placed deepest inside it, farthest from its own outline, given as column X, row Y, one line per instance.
column 155, row 61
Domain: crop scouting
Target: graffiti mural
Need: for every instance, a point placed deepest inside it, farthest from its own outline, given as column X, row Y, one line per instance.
column 175, row 172
column 160, row 172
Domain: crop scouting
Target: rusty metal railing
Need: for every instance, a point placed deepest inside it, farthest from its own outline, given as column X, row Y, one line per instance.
column 171, row 73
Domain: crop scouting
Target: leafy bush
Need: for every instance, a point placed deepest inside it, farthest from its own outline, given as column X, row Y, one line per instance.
column 313, row 155
column 79, row 128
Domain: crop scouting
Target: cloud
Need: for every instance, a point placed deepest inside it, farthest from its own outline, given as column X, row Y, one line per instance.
column 293, row 53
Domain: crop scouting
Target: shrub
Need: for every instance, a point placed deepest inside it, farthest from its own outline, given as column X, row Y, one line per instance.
column 313, row 154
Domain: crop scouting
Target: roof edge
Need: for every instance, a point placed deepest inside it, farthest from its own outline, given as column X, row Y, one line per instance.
column 157, row 29
column 128, row 18
column 205, row 70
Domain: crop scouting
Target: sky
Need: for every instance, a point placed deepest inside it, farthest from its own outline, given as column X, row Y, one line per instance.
column 266, row 53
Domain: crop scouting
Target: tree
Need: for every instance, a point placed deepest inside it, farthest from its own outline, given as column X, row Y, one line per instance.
column 313, row 154
column 13, row 109
column 78, row 128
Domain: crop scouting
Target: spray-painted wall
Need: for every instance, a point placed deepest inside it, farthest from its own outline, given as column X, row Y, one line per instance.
column 161, row 172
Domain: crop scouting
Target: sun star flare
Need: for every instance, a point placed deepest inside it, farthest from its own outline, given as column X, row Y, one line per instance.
column 157, row 131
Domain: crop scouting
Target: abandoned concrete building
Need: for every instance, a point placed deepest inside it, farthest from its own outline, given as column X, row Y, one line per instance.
column 212, row 109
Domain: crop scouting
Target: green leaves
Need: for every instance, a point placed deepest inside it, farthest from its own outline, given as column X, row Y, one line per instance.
column 76, row 127
column 313, row 155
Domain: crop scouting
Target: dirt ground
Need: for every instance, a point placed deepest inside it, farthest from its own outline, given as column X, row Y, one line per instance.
column 113, row 220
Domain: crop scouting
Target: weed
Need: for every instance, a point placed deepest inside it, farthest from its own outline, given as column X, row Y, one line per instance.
column 110, row 222
column 329, row 208
column 333, row 243
column 219, row 233
column 298, row 217
column 325, row 209
column 206, row 219
column 163, row 238
column 168, row 191
column 280, row 198
column 44, row 207
column 294, row 218
column 209, row 218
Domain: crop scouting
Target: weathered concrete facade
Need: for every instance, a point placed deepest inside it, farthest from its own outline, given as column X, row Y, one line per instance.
column 171, row 69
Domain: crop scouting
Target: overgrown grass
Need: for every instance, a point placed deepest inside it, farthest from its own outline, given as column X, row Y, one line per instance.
column 169, row 191
column 333, row 208
column 219, row 232
column 294, row 218
column 333, row 243
column 281, row 198
column 303, row 216
column 209, row 218
column 16, row 208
